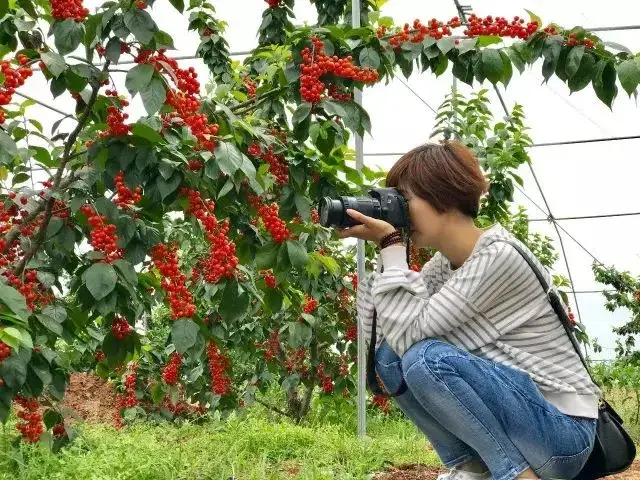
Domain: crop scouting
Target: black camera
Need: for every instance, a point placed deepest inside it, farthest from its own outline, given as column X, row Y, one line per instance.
column 386, row 204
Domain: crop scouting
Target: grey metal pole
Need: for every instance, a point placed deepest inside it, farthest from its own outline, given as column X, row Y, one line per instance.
column 362, row 354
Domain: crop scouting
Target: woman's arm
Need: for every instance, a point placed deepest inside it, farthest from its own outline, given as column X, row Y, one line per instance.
column 364, row 300
column 495, row 279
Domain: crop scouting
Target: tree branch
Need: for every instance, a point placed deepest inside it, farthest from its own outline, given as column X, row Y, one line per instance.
column 256, row 100
column 69, row 144
column 270, row 407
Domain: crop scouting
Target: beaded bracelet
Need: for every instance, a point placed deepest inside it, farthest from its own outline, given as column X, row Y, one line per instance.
column 391, row 239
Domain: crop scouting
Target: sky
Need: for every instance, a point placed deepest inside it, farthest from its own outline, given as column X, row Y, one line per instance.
column 577, row 180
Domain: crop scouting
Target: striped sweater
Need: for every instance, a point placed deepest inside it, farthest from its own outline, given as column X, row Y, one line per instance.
column 492, row 306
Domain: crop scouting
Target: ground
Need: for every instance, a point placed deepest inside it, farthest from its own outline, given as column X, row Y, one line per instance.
column 90, row 397
column 418, row 472
column 93, row 399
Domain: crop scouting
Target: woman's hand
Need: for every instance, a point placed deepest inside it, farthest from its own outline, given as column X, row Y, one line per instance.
column 371, row 229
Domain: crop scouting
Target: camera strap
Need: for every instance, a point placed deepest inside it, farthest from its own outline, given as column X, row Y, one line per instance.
column 374, row 385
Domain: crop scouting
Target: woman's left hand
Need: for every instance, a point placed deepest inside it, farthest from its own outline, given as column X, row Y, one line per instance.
column 371, row 229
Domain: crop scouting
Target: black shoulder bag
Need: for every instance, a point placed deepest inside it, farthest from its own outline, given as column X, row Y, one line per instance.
column 613, row 450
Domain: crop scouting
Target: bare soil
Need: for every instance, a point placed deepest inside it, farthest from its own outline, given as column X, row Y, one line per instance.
column 420, row 472
column 90, row 397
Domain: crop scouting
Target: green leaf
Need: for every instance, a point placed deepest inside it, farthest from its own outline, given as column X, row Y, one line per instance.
column 54, row 62
column 228, row 157
column 28, row 7
column 507, row 70
column 492, row 65
column 301, row 113
column 466, row 44
column 57, row 312
column 68, row 34
column 13, row 370
column 233, row 303
column 4, row 8
column 154, row 96
column 195, row 374
column 299, row 334
column 145, row 131
column 139, row 78
column 14, row 301
column 369, row 57
column 100, row 279
column 303, row 204
column 585, row 73
column 574, row 59
column 330, row 263
column 11, row 336
column 551, row 53
column 267, row 254
column 629, row 74
column 534, row 18
column 167, row 187
column 273, row 299
column 604, row 81
column 486, row 40
column 184, row 334
column 127, row 272
column 445, row 44
column 49, row 323
column 140, row 23
column 249, row 170
column 114, row 50
column 163, row 40
column 178, row 4
column 298, row 255
column 8, row 148
column 5, row 396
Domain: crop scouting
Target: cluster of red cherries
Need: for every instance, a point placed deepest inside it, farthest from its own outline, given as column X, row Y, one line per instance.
column 120, row 327
column 269, row 278
column 310, row 304
column 129, row 400
column 316, row 64
column 277, row 164
column 172, row 369
column 222, row 261
column 183, row 99
column 125, row 196
column 103, row 234
column 30, row 424
column 272, row 222
column 325, row 380
column 173, row 281
column 271, row 346
column 218, row 366
column 13, row 78
column 74, row 9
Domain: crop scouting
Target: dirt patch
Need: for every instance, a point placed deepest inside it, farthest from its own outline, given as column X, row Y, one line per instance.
column 632, row 473
column 410, row 472
column 420, row 472
column 90, row 397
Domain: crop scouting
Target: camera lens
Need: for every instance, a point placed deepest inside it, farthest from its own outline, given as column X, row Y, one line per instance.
column 331, row 211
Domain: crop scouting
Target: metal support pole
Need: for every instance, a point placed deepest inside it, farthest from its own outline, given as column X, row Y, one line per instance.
column 362, row 353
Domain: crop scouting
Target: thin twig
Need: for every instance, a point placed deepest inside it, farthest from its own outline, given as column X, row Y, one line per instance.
column 69, row 144
column 270, row 407
column 255, row 100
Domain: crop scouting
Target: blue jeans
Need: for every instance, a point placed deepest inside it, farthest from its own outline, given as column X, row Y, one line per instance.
column 470, row 407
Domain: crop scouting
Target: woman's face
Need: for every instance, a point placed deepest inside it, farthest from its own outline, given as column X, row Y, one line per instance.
column 425, row 222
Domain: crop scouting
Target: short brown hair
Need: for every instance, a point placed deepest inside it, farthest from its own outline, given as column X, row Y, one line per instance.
column 446, row 175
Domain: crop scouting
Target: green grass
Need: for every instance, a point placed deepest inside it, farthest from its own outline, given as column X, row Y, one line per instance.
column 256, row 445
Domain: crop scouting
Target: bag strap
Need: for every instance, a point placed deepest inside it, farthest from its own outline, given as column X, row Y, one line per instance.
column 554, row 299
column 372, row 380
